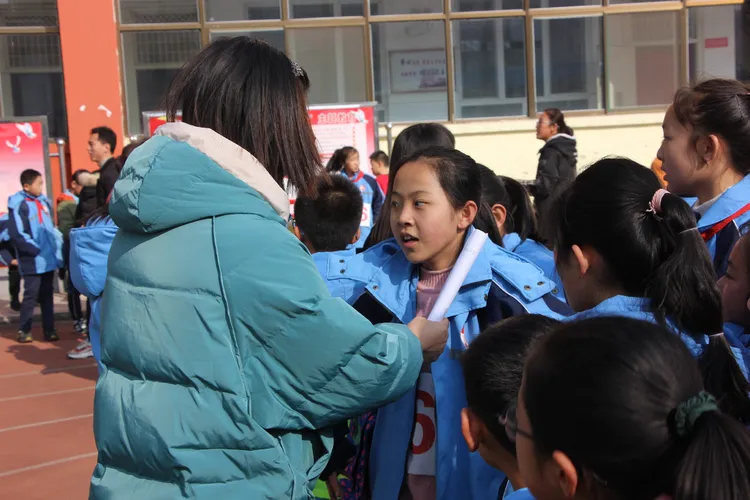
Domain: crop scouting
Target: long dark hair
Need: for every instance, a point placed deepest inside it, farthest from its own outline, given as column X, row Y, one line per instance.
column 556, row 117
column 659, row 256
column 521, row 214
column 493, row 368
column 338, row 160
column 408, row 142
column 253, row 95
column 720, row 107
column 611, row 394
column 461, row 179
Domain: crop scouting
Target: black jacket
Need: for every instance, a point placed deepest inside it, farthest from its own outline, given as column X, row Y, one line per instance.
column 108, row 175
column 557, row 167
column 87, row 205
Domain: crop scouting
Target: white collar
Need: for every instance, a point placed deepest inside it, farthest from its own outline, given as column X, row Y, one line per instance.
column 231, row 158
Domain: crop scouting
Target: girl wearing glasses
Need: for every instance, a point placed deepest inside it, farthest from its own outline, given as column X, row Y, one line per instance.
column 493, row 368
column 615, row 408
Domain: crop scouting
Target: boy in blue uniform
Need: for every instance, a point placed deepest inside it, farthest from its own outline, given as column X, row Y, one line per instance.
column 38, row 248
column 328, row 225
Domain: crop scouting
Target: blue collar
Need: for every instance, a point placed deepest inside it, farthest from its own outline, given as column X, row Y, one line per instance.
column 394, row 285
column 512, row 241
column 732, row 200
column 618, row 305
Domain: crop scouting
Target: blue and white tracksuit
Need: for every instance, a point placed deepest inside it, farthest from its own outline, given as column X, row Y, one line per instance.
column 537, row 254
column 331, row 266
column 500, row 284
column 37, row 242
column 372, row 202
column 727, row 206
column 89, row 251
column 640, row 308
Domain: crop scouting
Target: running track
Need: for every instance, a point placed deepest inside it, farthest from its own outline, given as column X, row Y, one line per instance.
column 46, row 404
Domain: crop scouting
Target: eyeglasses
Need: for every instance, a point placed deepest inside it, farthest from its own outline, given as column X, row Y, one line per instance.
column 510, row 423
column 540, row 122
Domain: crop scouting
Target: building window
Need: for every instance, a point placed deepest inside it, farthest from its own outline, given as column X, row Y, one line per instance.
column 490, row 66
column 152, row 11
column 388, row 7
column 537, row 4
column 240, row 10
column 640, row 46
column 334, row 61
column 31, row 79
column 275, row 38
column 411, row 80
column 719, row 43
column 568, row 63
column 151, row 61
column 28, row 13
column 485, row 5
column 305, row 9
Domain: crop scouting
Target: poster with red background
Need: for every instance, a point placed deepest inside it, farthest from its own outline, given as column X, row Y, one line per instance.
column 23, row 145
column 335, row 126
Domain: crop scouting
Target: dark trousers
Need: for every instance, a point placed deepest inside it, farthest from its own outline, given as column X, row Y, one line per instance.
column 41, row 286
column 74, row 300
column 14, row 283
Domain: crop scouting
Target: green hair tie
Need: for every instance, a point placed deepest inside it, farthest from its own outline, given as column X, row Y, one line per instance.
column 689, row 411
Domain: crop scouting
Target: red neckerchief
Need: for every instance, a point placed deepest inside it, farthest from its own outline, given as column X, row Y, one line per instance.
column 39, row 208
column 716, row 228
column 357, row 177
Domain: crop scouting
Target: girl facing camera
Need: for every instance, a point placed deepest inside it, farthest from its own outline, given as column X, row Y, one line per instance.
column 225, row 360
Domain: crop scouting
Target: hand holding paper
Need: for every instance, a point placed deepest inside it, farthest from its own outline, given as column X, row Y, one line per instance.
column 432, row 335
column 472, row 247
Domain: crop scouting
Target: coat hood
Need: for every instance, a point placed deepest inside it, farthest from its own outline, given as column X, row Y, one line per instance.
column 188, row 173
column 564, row 143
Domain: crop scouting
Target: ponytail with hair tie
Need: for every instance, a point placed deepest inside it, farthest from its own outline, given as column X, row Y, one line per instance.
column 683, row 418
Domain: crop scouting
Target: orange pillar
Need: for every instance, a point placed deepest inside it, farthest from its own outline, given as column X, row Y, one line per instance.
column 91, row 68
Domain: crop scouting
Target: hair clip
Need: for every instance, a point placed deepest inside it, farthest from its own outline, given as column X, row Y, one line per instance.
column 297, row 70
column 688, row 231
column 720, row 334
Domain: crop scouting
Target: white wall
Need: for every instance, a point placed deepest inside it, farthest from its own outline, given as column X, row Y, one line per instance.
column 712, row 23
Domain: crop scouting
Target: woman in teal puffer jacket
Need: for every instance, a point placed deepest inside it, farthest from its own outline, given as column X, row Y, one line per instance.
column 224, row 356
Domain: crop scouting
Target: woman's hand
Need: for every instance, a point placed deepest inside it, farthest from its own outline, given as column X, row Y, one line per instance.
column 432, row 335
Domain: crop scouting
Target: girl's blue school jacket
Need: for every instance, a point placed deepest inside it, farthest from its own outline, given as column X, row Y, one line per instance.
column 640, row 308
column 538, row 254
column 500, row 284
column 372, row 203
column 730, row 203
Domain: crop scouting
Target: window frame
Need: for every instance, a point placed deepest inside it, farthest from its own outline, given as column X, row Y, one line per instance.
column 453, row 62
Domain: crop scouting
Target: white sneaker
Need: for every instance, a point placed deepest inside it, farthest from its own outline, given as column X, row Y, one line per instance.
column 82, row 351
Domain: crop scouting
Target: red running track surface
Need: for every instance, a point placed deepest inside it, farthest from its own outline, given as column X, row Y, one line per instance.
column 47, row 445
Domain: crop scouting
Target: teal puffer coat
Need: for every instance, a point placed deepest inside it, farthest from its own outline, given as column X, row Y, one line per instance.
column 225, row 358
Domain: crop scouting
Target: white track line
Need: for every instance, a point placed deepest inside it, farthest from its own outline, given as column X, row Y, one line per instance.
column 48, row 422
column 50, row 370
column 43, row 394
column 47, row 464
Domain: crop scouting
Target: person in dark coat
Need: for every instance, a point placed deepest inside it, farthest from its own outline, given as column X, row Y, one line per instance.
column 557, row 159
column 102, row 144
column 86, row 192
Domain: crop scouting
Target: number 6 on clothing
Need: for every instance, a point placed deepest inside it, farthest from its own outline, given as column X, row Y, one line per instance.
column 422, row 460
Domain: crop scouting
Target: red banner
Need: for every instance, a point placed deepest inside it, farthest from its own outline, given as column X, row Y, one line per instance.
column 21, row 148
column 347, row 125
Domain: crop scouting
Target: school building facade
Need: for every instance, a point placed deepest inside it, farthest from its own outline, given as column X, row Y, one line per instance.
column 485, row 68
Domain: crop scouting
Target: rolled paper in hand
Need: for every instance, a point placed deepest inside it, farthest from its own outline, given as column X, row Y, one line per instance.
column 472, row 247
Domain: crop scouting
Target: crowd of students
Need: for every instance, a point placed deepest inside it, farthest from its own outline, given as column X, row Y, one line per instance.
column 602, row 354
